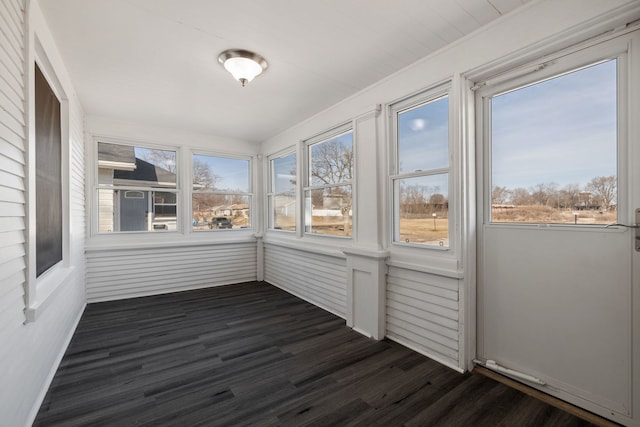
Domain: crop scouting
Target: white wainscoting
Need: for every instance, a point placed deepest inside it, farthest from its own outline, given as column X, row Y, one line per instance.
column 125, row 272
column 423, row 313
column 316, row 277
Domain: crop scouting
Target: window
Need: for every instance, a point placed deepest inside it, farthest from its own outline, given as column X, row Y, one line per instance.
column 282, row 192
column 553, row 149
column 328, row 201
column 221, row 197
column 137, row 188
column 48, row 188
column 420, row 173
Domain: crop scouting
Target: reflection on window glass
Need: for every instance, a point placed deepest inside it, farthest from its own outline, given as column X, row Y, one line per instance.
column 128, row 177
column 423, row 137
column 424, row 210
column 284, row 174
column 553, row 150
column 283, row 208
column 220, row 199
column 328, row 211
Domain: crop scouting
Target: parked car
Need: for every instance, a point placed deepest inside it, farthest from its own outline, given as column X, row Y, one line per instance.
column 220, row 222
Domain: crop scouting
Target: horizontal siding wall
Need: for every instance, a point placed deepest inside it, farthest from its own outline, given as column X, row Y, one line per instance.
column 317, row 278
column 422, row 313
column 126, row 273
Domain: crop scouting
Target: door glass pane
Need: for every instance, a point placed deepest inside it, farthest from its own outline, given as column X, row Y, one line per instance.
column 553, row 150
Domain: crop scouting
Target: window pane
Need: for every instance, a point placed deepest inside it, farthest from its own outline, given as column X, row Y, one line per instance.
column 424, row 210
column 220, row 211
column 331, row 161
column 284, row 174
column 127, row 210
column 553, row 150
column 127, row 165
column 328, row 211
column 283, row 208
column 220, row 173
column 423, row 137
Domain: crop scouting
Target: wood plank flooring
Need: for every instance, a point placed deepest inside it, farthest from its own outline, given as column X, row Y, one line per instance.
column 253, row 355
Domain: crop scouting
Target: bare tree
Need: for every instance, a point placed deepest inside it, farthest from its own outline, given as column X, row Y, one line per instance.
column 332, row 163
column 542, row 194
column 500, row 195
column 521, row 197
column 164, row 159
column 203, row 178
column 604, row 190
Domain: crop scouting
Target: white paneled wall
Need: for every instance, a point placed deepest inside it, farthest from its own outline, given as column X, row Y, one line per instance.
column 30, row 352
column 318, row 278
column 132, row 272
column 422, row 313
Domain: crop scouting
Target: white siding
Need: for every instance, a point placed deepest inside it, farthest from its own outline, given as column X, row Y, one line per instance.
column 131, row 272
column 317, row 278
column 422, row 313
column 30, row 352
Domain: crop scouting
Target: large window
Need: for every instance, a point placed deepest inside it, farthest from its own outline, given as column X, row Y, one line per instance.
column 328, row 190
column 48, row 149
column 282, row 192
column 221, row 197
column 553, row 149
column 137, row 189
column 420, row 173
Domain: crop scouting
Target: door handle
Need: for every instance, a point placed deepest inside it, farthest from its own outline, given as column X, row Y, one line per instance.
column 636, row 226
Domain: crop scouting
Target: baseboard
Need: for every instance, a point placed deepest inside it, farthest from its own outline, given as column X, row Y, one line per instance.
column 52, row 372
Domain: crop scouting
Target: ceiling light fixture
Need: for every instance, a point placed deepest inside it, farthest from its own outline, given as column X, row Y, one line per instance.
column 243, row 65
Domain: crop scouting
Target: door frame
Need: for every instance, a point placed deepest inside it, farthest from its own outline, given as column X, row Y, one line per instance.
column 587, row 35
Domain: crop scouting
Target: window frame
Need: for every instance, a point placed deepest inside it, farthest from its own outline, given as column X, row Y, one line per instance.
column 542, row 69
column 97, row 187
column 323, row 137
column 433, row 94
column 271, row 192
column 39, row 288
column 250, row 194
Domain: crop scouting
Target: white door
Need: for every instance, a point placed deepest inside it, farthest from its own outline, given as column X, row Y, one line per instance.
column 555, row 284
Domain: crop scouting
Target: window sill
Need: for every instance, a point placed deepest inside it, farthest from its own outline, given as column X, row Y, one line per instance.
column 46, row 288
column 124, row 244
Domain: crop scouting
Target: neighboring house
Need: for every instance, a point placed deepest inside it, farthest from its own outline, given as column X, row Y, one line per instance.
column 132, row 207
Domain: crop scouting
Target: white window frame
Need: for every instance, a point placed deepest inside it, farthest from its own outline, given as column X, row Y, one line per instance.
column 549, row 67
column 250, row 194
column 307, row 187
column 39, row 289
column 272, row 194
column 395, row 176
column 96, row 187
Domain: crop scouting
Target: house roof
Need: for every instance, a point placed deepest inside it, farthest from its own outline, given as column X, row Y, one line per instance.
column 145, row 173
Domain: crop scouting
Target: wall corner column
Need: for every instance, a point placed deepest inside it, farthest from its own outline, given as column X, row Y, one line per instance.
column 366, row 291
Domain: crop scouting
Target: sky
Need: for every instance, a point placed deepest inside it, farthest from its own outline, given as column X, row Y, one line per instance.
column 231, row 174
column 561, row 130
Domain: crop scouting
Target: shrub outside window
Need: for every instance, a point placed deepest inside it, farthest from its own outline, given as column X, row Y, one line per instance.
column 282, row 192
column 221, row 198
column 137, row 189
column 420, row 173
column 328, row 191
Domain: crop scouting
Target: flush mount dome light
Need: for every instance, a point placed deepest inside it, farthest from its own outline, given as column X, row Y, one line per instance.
column 243, row 65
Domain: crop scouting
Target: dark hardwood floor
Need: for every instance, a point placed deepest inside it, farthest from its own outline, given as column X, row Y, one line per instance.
column 253, row 355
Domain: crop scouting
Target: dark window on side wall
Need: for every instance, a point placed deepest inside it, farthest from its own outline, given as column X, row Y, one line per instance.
column 48, row 176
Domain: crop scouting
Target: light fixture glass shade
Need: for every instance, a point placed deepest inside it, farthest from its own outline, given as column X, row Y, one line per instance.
column 243, row 65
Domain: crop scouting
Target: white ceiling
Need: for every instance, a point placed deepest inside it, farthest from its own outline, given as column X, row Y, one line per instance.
column 155, row 61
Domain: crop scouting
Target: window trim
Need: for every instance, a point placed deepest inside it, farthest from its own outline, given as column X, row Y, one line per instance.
column 271, row 193
column 433, row 94
column 40, row 289
column 325, row 136
column 250, row 193
column 95, row 186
